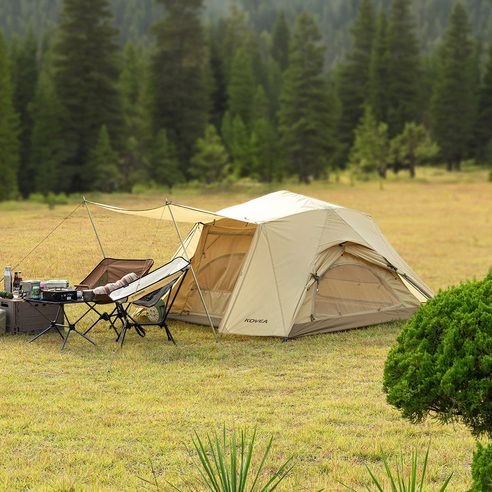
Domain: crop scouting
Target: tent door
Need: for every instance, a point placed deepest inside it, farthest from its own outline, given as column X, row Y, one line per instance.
column 348, row 288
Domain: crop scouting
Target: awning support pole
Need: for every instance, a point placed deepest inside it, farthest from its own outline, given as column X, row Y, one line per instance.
column 192, row 270
column 94, row 226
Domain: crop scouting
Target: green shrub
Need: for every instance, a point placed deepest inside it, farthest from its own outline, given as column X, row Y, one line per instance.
column 482, row 469
column 442, row 364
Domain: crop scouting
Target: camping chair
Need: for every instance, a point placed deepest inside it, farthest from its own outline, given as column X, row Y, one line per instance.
column 107, row 271
column 147, row 292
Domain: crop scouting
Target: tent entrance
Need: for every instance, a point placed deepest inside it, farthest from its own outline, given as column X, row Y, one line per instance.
column 217, row 261
column 352, row 286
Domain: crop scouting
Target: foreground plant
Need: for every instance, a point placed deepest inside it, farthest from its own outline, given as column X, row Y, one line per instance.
column 226, row 468
column 400, row 483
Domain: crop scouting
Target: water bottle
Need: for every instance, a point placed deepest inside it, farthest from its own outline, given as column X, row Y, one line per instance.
column 7, row 279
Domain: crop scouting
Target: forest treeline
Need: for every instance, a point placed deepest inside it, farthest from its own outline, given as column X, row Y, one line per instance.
column 227, row 99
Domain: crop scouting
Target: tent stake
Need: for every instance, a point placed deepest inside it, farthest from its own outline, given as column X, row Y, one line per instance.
column 192, row 270
column 94, row 226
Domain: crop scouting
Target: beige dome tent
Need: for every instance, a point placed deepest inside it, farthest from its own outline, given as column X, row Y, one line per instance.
column 287, row 265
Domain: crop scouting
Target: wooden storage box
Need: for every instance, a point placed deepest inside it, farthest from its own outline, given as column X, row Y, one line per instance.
column 24, row 319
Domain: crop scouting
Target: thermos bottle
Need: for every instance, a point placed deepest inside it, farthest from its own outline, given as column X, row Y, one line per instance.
column 7, row 279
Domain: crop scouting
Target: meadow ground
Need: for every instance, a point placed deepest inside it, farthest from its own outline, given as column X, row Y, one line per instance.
column 66, row 423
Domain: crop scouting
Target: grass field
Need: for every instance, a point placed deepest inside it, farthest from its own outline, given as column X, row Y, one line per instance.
column 66, row 423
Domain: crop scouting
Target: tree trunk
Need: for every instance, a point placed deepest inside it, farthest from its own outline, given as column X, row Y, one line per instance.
column 412, row 166
column 450, row 164
column 382, row 171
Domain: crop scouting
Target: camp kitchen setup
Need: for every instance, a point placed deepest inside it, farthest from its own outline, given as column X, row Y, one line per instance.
column 282, row 265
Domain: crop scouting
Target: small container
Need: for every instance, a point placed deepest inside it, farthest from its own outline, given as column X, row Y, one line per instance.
column 36, row 292
column 88, row 295
column 7, row 279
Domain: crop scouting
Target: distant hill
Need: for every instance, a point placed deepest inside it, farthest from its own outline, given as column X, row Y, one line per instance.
column 134, row 17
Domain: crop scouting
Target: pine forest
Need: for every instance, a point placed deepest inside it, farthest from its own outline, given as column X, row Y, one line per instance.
column 103, row 95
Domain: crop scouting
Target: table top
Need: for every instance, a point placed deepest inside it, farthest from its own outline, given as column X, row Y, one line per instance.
column 44, row 301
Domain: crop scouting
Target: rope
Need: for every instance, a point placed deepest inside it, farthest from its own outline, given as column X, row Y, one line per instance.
column 39, row 244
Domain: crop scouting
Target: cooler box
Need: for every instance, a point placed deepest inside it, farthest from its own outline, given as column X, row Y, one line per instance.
column 3, row 321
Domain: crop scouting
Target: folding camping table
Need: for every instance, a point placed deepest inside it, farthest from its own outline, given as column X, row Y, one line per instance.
column 147, row 291
column 56, row 326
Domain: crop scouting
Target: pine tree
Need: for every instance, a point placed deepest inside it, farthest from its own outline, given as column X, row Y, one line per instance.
column 102, row 167
column 240, row 148
column 180, row 102
column 266, row 164
column 209, row 163
column 24, row 79
column 131, row 86
column 279, row 49
column 353, row 77
column 412, row 147
column 9, row 130
column 379, row 72
column 86, row 63
column 404, row 68
column 260, row 72
column 261, row 105
column 453, row 101
column 274, row 89
column 484, row 126
column 164, row 163
column 307, row 113
column 47, row 144
column 241, row 88
column 226, row 130
column 370, row 152
column 236, row 37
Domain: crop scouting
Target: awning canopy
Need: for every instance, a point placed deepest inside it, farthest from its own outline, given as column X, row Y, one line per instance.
column 181, row 213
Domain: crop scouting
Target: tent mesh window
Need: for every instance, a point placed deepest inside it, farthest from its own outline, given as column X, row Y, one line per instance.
column 350, row 289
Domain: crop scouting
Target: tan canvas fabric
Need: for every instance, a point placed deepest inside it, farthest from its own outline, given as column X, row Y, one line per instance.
column 258, row 266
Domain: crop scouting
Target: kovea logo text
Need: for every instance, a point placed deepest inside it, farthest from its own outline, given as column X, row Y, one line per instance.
column 252, row 320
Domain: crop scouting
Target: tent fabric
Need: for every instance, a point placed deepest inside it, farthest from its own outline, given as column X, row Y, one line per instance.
column 287, row 265
column 293, row 246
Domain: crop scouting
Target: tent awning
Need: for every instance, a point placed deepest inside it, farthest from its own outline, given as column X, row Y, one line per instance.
column 181, row 213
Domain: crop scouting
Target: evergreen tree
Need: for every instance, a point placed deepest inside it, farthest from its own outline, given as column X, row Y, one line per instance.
column 404, row 68
column 453, row 101
column 180, row 102
column 240, row 148
column 260, row 73
column 236, row 36
column 102, row 167
column 218, row 88
column 353, row 77
column 209, row 163
column 24, row 79
column 241, row 88
column 484, row 126
column 266, row 163
column 279, row 49
column 164, row 163
column 412, row 147
column 370, row 152
column 226, row 130
column 131, row 86
column 261, row 105
column 307, row 113
column 86, row 75
column 274, row 89
column 9, row 130
column 379, row 72
column 47, row 144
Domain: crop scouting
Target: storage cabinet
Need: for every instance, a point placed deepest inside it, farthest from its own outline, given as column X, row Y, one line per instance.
column 25, row 319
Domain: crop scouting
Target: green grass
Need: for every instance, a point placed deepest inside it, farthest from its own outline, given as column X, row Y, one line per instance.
column 68, row 424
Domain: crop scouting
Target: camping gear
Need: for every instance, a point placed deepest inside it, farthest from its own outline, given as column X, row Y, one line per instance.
column 3, row 322
column 59, row 295
column 148, row 291
column 56, row 284
column 287, row 265
column 25, row 319
column 7, row 279
column 28, row 285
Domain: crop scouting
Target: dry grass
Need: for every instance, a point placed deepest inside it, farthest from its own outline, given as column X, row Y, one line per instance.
column 66, row 423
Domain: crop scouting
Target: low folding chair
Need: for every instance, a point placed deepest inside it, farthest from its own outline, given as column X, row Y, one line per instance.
column 147, row 292
column 107, row 271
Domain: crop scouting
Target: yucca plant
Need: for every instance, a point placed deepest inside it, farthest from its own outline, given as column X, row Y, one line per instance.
column 400, row 483
column 226, row 468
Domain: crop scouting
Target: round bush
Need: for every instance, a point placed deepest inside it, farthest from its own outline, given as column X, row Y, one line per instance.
column 482, row 469
column 442, row 364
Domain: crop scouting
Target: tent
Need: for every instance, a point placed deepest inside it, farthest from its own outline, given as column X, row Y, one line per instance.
column 287, row 265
